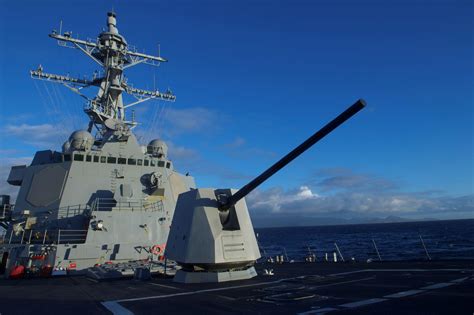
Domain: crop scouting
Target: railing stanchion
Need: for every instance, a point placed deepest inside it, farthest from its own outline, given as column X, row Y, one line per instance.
column 377, row 250
column 337, row 247
column 22, row 236
column 426, row 251
column 11, row 235
column 44, row 236
column 59, row 236
column 29, row 239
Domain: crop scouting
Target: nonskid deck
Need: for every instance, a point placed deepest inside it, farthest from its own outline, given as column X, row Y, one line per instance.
column 440, row 287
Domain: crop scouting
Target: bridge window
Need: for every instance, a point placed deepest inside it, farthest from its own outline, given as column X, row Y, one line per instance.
column 78, row 157
column 103, row 159
column 96, row 158
column 161, row 163
column 146, row 162
column 152, row 163
column 139, row 162
column 168, row 165
column 122, row 161
column 88, row 158
column 111, row 160
column 132, row 162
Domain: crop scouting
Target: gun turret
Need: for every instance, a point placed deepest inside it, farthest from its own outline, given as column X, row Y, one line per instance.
column 227, row 202
column 212, row 236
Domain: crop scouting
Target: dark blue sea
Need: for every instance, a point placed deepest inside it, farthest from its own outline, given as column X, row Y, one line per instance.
column 395, row 241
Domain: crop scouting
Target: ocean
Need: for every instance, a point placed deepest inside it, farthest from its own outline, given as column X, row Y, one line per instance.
column 452, row 239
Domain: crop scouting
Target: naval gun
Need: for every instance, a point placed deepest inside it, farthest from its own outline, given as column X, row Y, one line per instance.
column 212, row 236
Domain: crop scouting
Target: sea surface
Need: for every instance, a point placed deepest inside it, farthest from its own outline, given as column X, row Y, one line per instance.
column 452, row 239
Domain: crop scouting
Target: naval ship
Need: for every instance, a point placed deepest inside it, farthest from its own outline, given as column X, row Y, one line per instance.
column 106, row 199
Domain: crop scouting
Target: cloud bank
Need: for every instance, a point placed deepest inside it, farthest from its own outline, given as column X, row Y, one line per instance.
column 341, row 196
column 190, row 120
column 41, row 136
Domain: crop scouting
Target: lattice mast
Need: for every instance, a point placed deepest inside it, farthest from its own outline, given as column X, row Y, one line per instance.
column 111, row 52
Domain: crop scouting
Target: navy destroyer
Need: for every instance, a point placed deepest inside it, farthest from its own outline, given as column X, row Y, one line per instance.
column 105, row 198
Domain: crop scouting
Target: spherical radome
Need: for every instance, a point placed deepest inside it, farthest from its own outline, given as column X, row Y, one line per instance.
column 157, row 148
column 81, row 140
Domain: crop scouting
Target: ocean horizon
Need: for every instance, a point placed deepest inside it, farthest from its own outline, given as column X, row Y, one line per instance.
column 443, row 239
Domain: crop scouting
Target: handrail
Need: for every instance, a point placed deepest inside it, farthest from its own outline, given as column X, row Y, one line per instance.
column 6, row 211
column 98, row 204
column 72, row 210
column 59, row 236
column 109, row 204
column 62, row 236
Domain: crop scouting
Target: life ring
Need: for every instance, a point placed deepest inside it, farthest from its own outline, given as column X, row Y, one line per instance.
column 157, row 249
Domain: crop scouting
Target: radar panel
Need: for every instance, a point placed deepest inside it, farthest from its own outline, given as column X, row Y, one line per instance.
column 46, row 186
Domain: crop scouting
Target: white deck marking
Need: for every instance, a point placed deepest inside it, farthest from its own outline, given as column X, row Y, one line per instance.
column 363, row 302
column 437, row 286
column 404, row 293
column 342, row 282
column 319, row 311
column 116, row 308
column 348, row 272
column 231, row 288
column 199, row 291
column 387, row 297
column 460, row 280
column 393, row 270
column 164, row 286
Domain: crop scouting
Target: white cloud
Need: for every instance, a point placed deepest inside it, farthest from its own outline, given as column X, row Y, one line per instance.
column 35, row 132
column 190, row 120
column 44, row 135
column 345, row 179
column 239, row 149
column 276, row 200
column 178, row 153
column 237, row 143
column 306, row 193
column 346, row 200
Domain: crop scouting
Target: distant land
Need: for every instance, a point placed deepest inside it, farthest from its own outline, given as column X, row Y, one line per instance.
column 288, row 221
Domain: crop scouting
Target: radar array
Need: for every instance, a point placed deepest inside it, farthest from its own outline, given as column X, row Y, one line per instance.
column 112, row 53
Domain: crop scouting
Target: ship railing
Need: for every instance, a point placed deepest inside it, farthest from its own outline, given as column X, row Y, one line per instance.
column 63, row 212
column 6, row 212
column 110, row 204
column 72, row 210
column 45, row 237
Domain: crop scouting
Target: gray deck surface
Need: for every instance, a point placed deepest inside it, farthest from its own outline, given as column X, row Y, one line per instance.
column 311, row 288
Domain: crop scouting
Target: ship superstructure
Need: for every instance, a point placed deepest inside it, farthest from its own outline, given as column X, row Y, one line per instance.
column 104, row 198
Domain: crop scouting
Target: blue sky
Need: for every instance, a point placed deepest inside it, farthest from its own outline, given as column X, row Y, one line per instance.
column 255, row 78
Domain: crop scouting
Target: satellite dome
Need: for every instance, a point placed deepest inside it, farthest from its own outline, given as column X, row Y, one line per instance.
column 66, row 146
column 81, row 140
column 157, row 148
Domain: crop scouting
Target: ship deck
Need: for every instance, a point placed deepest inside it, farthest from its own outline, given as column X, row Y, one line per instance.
column 436, row 287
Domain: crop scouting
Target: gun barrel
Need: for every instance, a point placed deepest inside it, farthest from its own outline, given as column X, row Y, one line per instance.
column 336, row 122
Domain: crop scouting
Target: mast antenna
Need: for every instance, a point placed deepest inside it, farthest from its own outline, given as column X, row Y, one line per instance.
column 112, row 53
